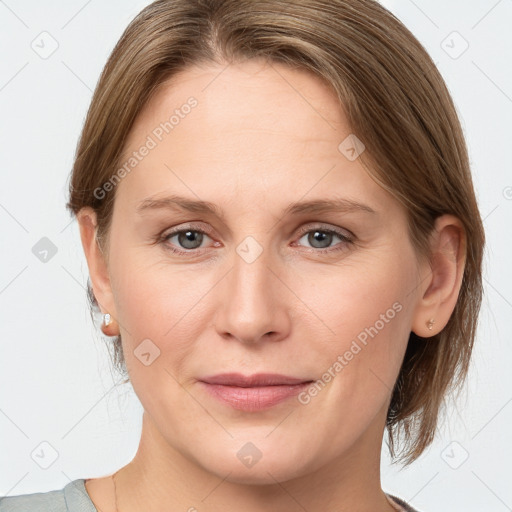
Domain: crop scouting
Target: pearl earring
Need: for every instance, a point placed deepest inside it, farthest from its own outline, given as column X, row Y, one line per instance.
column 107, row 320
column 430, row 324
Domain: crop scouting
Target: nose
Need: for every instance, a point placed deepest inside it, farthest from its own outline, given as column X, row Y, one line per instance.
column 254, row 303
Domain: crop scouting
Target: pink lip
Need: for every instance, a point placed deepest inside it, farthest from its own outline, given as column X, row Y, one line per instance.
column 254, row 392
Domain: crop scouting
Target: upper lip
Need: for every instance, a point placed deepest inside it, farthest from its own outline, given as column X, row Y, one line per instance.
column 255, row 380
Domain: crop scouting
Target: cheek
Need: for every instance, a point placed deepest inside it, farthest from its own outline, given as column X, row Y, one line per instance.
column 367, row 310
column 166, row 304
column 159, row 309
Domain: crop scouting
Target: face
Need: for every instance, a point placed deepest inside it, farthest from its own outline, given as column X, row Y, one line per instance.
column 258, row 283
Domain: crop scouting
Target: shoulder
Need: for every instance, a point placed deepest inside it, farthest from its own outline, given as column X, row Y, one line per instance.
column 405, row 507
column 71, row 498
column 44, row 501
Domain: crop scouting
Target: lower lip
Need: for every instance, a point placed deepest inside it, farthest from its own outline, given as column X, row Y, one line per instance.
column 254, row 398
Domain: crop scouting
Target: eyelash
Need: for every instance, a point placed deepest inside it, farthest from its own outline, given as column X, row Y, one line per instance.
column 347, row 240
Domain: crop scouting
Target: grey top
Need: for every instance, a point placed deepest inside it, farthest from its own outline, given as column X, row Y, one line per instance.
column 74, row 498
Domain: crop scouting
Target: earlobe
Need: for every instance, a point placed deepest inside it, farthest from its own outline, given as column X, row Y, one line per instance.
column 96, row 262
column 109, row 326
column 438, row 293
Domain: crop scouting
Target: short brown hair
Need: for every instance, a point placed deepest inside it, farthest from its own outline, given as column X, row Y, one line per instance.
column 394, row 99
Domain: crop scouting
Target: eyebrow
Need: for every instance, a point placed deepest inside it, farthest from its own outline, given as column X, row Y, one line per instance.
column 317, row 206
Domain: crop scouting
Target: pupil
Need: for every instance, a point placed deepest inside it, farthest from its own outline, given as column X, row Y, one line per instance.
column 188, row 238
column 322, row 237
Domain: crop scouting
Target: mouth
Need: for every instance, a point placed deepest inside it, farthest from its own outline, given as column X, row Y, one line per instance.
column 254, row 392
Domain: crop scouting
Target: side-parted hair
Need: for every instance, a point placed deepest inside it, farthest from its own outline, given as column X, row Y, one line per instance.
column 395, row 101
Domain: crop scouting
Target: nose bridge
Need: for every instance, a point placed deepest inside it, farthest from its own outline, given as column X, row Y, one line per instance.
column 251, row 279
column 252, row 306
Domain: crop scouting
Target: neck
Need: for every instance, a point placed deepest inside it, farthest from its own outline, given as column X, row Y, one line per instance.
column 160, row 477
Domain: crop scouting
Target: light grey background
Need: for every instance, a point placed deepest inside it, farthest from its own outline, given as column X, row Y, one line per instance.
column 57, row 387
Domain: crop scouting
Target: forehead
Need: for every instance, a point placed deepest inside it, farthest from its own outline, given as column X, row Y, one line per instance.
column 236, row 88
column 254, row 129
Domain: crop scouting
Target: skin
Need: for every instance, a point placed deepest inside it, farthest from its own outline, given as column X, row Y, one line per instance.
column 261, row 137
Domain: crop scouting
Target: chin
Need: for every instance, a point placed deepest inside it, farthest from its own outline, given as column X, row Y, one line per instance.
column 251, row 466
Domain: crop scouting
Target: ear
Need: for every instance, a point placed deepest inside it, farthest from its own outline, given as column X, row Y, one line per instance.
column 96, row 261
column 442, row 279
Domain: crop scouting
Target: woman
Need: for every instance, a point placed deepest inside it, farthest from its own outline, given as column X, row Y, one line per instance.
column 277, row 211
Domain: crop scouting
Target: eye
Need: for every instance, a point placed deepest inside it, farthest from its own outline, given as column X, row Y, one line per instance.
column 189, row 240
column 322, row 237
